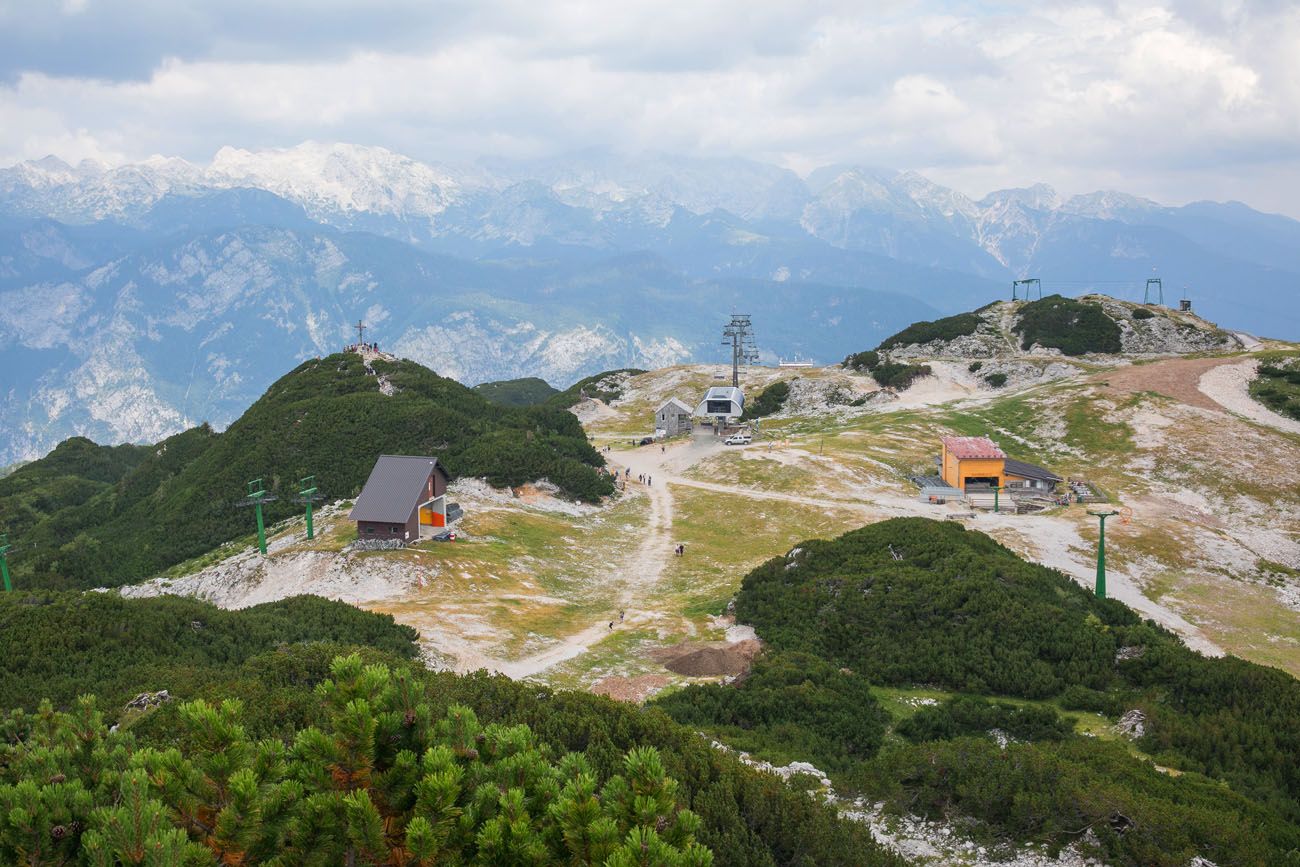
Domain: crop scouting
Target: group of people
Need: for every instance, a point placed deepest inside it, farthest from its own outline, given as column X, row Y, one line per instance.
column 680, row 550
column 363, row 347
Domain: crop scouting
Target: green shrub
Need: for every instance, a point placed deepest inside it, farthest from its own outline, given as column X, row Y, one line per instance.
column 1277, row 386
column 1143, row 313
column 957, row 610
column 966, row 715
column 1074, row 327
column 1076, row 697
column 975, row 366
column 1046, row 792
column 912, row 601
column 381, row 780
column 860, row 361
column 996, row 380
column 791, row 706
column 60, row 645
column 770, row 400
column 892, row 374
column 948, row 328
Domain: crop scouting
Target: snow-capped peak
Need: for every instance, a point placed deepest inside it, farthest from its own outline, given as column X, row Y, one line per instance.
column 339, row 177
column 1106, row 204
column 1040, row 197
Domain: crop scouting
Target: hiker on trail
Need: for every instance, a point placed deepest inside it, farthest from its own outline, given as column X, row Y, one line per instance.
column 611, row 626
column 620, row 615
column 663, row 449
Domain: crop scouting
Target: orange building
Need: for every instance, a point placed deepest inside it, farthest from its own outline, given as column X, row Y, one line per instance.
column 972, row 461
column 977, row 462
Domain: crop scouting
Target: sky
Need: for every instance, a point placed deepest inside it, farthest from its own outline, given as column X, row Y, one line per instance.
column 1175, row 101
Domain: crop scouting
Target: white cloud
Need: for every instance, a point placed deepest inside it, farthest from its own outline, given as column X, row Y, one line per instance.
column 1174, row 101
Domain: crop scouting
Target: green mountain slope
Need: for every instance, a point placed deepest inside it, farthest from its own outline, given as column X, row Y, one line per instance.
column 528, row 391
column 328, row 418
column 911, row 603
column 604, row 386
column 61, row 645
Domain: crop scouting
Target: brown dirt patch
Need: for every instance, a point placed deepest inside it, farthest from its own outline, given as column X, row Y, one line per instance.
column 708, row 660
column 1176, row 378
column 631, row 689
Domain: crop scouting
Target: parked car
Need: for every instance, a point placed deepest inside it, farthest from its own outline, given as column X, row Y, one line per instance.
column 645, row 441
column 738, row 439
column 445, row 536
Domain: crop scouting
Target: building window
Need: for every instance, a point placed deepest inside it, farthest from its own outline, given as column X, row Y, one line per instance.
column 370, row 529
column 396, row 529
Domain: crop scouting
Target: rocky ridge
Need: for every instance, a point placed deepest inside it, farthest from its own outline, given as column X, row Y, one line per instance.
column 1157, row 331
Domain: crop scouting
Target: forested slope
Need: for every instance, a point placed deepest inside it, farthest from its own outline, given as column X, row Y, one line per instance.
column 280, row 743
column 90, row 516
column 910, row 602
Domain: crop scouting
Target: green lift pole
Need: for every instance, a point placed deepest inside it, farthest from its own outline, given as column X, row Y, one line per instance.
column 996, row 488
column 308, row 485
column 4, row 562
column 1101, row 551
column 257, row 495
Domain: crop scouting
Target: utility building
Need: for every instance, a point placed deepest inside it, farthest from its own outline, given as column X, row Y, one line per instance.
column 723, row 403
column 403, row 494
column 976, row 463
column 673, row 417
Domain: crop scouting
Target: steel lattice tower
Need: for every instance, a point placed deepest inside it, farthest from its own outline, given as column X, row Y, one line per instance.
column 740, row 334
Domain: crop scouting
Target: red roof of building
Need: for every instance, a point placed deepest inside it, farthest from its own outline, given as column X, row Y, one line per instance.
column 969, row 448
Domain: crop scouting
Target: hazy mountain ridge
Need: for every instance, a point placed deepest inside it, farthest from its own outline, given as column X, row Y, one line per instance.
column 140, row 298
column 167, row 333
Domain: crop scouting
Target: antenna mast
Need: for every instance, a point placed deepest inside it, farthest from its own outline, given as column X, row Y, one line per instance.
column 740, row 334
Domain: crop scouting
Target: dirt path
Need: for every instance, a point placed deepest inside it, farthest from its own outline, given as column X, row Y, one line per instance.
column 1229, row 386
column 1178, row 378
column 636, row 573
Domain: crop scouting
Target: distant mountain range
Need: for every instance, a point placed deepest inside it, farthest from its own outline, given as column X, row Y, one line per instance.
column 139, row 299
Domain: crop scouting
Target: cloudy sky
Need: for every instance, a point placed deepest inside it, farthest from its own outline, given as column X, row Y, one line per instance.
column 1178, row 102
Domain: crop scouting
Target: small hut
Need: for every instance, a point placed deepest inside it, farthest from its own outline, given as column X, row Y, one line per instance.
column 403, row 494
column 673, row 417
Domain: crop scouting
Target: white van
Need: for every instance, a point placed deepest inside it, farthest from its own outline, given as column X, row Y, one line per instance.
column 738, row 439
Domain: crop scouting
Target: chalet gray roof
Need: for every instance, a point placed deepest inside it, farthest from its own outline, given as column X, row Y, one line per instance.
column 673, row 402
column 394, row 489
column 1028, row 471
